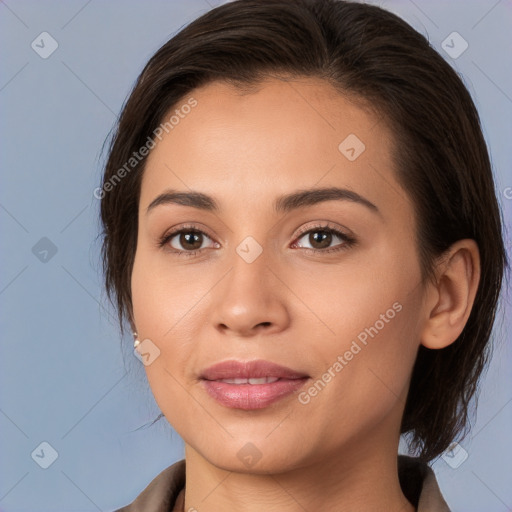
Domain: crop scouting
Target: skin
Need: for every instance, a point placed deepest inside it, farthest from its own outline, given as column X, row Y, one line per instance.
column 290, row 306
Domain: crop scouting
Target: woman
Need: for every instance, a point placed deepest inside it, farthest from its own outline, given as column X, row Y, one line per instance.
column 295, row 206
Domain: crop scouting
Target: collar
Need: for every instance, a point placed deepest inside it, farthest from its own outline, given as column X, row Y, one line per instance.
column 165, row 492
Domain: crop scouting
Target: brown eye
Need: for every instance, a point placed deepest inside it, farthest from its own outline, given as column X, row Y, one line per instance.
column 189, row 240
column 186, row 241
column 321, row 238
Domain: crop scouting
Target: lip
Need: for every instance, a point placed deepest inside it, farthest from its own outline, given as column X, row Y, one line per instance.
column 250, row 396
column 255, row 369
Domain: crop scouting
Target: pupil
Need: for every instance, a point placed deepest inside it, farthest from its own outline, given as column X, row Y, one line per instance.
column 324, row 236
column 189, row 238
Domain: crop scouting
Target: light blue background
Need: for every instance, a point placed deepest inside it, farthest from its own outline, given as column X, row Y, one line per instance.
column 62, row 376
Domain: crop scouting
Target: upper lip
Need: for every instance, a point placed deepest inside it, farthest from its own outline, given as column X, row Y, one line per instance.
column 249, row 370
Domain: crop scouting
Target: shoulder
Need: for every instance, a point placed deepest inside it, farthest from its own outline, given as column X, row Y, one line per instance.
column 419, row 485
column 161, row 493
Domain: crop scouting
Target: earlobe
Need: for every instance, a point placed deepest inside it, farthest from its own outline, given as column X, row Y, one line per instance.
column 453, row 294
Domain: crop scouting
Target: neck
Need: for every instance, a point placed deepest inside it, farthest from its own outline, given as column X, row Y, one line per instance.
column 357, row 479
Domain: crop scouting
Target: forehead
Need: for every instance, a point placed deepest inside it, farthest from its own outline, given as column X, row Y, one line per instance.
column 258, row 143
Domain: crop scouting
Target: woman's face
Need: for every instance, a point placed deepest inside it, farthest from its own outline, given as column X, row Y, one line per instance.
column 269, row 279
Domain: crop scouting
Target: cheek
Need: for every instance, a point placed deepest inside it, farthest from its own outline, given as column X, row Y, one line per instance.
column 167, row 310
column 163, row 313
column 364, row 334
column 341, row 301
column 163, row 297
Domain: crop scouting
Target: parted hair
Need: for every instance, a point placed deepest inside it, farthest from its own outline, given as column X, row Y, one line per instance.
column 439, row 154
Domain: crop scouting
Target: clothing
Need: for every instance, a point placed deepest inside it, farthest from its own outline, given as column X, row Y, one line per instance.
column 165, row 493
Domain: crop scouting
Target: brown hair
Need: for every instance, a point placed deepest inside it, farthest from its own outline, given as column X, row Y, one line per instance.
column 440, row 156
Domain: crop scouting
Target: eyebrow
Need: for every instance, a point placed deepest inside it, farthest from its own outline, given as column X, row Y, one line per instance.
column 283, row 204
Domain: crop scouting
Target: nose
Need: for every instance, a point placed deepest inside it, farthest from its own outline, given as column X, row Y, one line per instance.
column 251, row 299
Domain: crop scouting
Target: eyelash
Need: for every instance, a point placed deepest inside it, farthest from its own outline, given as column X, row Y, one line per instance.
column 348, row 241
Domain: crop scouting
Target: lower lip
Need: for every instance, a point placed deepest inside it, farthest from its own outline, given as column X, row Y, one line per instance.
column 252, row 396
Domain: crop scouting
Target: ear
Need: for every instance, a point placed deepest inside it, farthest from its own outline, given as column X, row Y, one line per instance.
column 451, row 298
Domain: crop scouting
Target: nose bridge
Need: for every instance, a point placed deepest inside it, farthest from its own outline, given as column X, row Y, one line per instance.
column 255, row 247
column 254, row 258
column 251, row 240
column 250, row 262
column 250, row 294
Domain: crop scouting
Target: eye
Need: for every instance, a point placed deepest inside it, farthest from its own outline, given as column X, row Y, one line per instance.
column 186, row 241
column 321, row 237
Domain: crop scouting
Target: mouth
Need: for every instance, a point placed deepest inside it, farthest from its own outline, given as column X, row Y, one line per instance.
column 251, row 384
column 255, row 369
column 253, row 381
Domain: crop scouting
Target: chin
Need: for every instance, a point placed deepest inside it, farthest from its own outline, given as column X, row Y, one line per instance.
column 259, row 455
